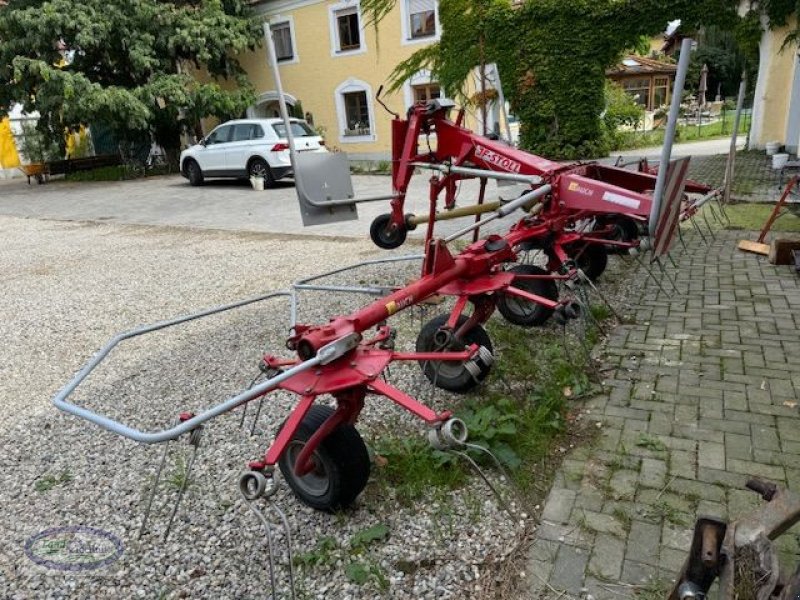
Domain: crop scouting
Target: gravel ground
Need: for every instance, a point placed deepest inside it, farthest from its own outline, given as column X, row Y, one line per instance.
column 69, row 287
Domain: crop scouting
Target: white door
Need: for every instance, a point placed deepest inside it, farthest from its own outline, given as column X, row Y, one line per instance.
column 212, row 156
column 242, row 146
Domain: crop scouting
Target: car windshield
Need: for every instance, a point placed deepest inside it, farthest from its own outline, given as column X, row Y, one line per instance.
column 299, row 129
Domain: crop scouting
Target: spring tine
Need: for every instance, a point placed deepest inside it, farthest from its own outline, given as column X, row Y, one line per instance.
column 680, row 238
column 268, row 530
column 672, row 260
column 258, row 414
column 722, row 209
column 584, row 302
column 246, row 404
column 501, row 469
column 153, row 493
column 652, row 275
column 194, row 439
column 714, row 214
column 697, row 229
column 663, row 269
column 489, row 484
column 600, row 295
column 288, row 533
column 710, row 229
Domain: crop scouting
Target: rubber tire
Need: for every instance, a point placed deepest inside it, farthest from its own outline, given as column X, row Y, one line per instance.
column 193, row 172
column 593, row 261
column 382, row 238
column 625, row 230
column 521, row 312
column 343, row 455
column 461, row 381
column 269, row 179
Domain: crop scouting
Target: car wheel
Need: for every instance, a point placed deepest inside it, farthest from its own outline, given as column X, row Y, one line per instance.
column 259, row 167
column 193, row 172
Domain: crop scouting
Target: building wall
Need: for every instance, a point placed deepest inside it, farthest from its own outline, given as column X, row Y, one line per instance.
column 317, row 74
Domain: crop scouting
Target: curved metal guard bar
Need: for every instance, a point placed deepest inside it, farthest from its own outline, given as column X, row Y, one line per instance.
column 305, row 283
column 325, row 355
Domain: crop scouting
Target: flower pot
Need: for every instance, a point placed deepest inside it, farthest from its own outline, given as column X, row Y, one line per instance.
column 257, row 182
column 779, row 161
column 772, row 148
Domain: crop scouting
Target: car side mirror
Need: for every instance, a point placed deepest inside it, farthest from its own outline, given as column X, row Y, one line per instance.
column 203, row 141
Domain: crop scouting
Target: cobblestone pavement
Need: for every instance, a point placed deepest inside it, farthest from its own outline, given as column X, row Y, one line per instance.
column 700, row 393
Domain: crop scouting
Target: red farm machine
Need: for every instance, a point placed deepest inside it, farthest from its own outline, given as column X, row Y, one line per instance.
column 575, row 213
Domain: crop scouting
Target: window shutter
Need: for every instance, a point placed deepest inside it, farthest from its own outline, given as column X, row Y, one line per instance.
column 418, row 6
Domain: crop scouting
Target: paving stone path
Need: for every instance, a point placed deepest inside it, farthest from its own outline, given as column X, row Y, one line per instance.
column 701, row 393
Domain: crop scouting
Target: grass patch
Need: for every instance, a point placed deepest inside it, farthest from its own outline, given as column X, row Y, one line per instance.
column 361, row 567
column 48, row 482
column 650, row 443
column 519, row 414
column 752, row 217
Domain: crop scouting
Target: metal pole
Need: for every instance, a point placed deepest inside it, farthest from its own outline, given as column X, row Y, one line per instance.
column 729, row 167
column 669, row 134
column 276, row 75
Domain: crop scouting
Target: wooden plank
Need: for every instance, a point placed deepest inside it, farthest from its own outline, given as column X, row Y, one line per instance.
column 755, row 247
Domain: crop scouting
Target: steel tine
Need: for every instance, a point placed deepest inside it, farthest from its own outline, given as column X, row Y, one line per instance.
column 288, row 533
column 661, row 266
column 155, row 489
column 503, row 504
column 583, row 300
column 697, row 229
column 246, row 404
column 710, row 229
column 501, row 469
column 680, row 238
column 714, row 214
column 652, row 275
column 251, row 505
column 722, row 209
column 672, row 260
column 258, row 414
column 600, row 295
column 194, row 440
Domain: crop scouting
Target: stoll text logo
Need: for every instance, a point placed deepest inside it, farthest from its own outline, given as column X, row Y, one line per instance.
column 74, row 548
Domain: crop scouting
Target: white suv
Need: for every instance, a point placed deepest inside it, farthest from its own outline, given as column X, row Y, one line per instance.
column 247, row 147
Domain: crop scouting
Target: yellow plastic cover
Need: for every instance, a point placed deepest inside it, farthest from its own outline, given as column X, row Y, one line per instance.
column 9, row 158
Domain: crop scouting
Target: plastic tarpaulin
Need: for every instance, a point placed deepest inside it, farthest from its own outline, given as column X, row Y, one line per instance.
column 9, row 157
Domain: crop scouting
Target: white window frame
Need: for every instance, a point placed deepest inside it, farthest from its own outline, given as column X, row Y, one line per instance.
column 354, row 85
column 405, row 23
column 422, row 77
column 280, row 20
column 334, row 28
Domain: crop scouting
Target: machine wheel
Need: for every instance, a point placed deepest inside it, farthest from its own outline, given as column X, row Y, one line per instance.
column 593, row 260
column 384, row 236
column 341, row 463
column 625, row 230
column 258, row 166
column 193, row 172
column 452, row 376
column 523, row 312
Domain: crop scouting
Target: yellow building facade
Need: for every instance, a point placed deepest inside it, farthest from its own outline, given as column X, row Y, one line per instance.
column 776, row 106
column 332, row 63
